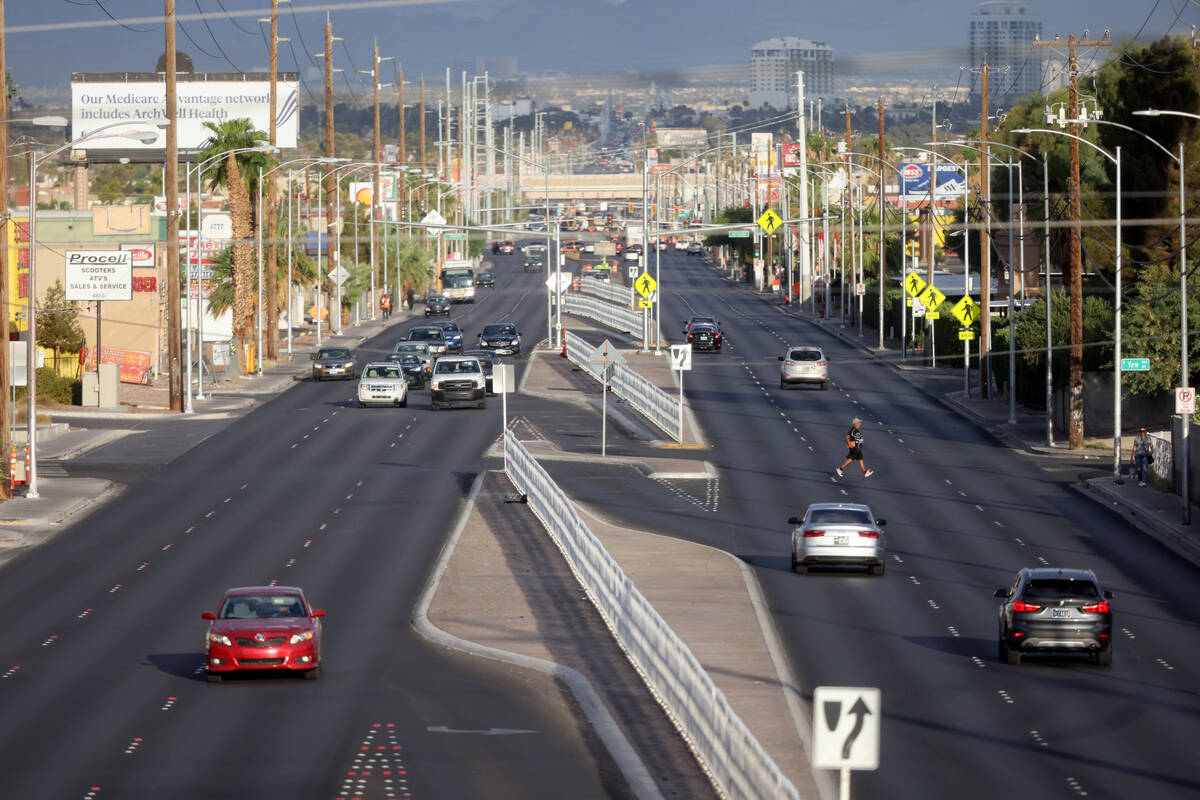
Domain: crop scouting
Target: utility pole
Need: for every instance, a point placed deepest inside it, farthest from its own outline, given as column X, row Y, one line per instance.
column 881, row 205
column 401, row 152
column 985, row 242
column 6, row 231
column 171, row 179
column 805, row 276
column 333, row 259
column 1075, row 434
column 421, row 129
column 272, row 203
column 850, row 202
column 377, row 155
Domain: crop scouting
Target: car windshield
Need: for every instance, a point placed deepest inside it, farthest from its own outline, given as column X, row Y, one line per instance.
column 448, row 326
column 500, row 330
column 382, row 372
column 435, row 298
column 839, row 516
column 485, row 276
column 1050, row 590
column 426, row 335
column 805, row 355
column 412, row 347
column 334, row 352
column 409, row 359
column 454, row 367
column 262, row 606
column 458, row 280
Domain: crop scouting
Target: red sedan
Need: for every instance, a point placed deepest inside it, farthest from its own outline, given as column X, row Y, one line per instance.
column 264, row 628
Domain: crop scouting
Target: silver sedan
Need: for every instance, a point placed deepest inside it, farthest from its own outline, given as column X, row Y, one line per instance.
column 838, row 534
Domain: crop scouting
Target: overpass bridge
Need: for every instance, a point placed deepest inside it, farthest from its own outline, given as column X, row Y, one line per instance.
column 607, row 186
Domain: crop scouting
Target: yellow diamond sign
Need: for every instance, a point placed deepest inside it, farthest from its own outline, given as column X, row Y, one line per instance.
column 966, row 311
column 645, row 285
column 914, row 284
column 769, row 221
column 932, row 297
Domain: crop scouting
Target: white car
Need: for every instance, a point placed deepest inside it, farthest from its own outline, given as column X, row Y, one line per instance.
column 458, row 379
column 838, row 534
column 632, row 255
column 804, row 365
column 681, row 244
column 382, row 383
column 589, row 247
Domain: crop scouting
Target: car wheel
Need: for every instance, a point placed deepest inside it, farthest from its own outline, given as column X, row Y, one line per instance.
column 361, row 404
column 800, row 568
column 824, row 386
column 876, row 569
column 312, row 674
column 481, row 404
column 212, row 677
column 1011, row 656
column 1104, row 657
column 433, row 405
column 317, row 378
column 782, row 383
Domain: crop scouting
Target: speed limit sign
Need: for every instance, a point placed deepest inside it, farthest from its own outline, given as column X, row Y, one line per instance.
column 1185, row 400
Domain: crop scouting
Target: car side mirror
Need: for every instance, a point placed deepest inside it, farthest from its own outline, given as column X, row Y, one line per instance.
column 881, row 522
column 793, row 520
column 208, row 615
column 1108, row 595
column 1002, row 593
column 781, row 358
column 318, row 612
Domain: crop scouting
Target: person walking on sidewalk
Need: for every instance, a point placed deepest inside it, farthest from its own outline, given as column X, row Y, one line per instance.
column 409, row 297
column 854, row 441
column 1141, row 456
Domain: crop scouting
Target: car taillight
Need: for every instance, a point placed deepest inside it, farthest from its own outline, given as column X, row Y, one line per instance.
column 718, row 336
column 869, row 534
column 1096, row 608
column 689, row 337
column 1021, row 605
column 789, row 363
column 822, row 363
column 808, row 534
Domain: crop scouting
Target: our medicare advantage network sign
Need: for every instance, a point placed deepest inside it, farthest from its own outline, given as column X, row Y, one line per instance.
column 99, row 99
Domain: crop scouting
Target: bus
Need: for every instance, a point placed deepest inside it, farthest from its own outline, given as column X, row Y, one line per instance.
column 458, row 281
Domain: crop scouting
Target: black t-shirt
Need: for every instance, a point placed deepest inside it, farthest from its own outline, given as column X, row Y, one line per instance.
column 855, row 435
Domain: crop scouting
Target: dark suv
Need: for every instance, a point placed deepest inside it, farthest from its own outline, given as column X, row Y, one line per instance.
column 1053, row 610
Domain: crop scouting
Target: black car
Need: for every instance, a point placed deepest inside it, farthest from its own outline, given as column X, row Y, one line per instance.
column 485, row 279
column 487, row 360
column 333, row 362
column 437, row 304
column 501, row 338
column 704, row 336
column 533, row 264
column 413, row 366
column 1054, row 610
column 698, row 318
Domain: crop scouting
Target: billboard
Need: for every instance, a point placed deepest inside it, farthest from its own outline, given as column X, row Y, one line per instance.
column 99, row 99
column 763, row 150
column 789, row 156
column 681, row 137
column 951, row 180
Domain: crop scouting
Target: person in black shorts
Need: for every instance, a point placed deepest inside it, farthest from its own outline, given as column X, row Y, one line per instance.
column 854, row 449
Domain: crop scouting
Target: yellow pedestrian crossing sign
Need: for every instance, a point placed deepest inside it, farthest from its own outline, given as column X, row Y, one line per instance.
column 914, row 284
column 769, row 221
column 645, row 285
column 932, row 297
column 966, row 311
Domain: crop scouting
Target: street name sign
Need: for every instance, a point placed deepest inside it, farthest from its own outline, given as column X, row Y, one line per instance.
column 1135, row 365
column 739, row 234
column 456, row 235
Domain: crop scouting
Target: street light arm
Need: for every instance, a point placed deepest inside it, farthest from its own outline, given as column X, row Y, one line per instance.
column 1092, row 145
column 1124, row 127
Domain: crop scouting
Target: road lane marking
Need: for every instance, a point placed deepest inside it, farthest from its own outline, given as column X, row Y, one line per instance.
column 133, row 745
column 1005, row 696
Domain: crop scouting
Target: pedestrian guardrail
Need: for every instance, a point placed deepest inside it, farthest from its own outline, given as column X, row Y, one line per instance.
column 613, row 293
column 647, row 398
column 621, row 318
column 734, row 759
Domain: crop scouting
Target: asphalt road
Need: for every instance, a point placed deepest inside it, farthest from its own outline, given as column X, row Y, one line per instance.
column 101, row 642
column 964, row 514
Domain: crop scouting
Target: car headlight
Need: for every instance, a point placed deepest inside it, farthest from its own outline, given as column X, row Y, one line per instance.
column 479, row 383
column 297, row 638
column 220, row 638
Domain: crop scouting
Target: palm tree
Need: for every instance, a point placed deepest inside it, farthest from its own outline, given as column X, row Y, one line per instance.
column 238, row 174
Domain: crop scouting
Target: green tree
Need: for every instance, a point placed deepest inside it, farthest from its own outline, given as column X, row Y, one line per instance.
column 57, row 326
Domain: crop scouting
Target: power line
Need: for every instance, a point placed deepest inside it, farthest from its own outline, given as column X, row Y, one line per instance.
column 208, row 28
column 234, row 21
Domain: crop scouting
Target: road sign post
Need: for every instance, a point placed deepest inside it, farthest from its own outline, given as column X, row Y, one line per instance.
column 502, row 384
column 681, row 362
column 846, row 730
column 608, row 357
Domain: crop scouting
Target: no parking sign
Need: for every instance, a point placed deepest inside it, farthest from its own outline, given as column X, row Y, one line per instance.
column 1185, row 400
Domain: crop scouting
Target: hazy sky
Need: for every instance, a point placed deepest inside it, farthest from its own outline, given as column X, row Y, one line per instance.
column 577, row 36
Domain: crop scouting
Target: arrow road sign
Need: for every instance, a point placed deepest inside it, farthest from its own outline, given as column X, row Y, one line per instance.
column 681, row 357
column 846, row 727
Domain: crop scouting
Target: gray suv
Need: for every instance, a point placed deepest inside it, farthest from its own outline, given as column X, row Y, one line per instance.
column 1054, row 610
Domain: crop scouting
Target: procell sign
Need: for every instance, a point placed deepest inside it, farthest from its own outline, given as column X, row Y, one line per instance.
column 99, row 275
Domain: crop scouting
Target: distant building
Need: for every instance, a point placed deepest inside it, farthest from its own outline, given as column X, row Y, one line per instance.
column 773, row 67
column 1003, row 32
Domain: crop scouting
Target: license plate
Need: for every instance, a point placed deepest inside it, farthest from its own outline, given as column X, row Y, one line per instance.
column 1062, row 612
column 841, row 539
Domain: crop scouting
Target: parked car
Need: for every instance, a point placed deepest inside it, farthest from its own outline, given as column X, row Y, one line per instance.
column 263, row 628
column 485, row 279
column 437, row 304
column 332, row 362
column 453, row 334
column 382, row 383
column 804, row 365
column 458, row 379
column 412, row 366
column 1055, row 610
column 837, row 534
column 501, row 338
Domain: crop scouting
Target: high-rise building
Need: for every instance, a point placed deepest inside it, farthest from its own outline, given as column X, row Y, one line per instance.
column 773, row 67
column 1003, row 32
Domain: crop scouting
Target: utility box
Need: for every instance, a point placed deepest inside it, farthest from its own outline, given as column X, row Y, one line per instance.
column 110, row 385
column 90, row 392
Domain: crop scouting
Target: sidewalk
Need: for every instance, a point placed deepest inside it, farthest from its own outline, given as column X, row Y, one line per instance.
column 1158, row 514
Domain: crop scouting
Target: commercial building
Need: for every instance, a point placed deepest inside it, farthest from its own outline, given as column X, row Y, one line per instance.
column 773, row 67
column 1004, row 32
